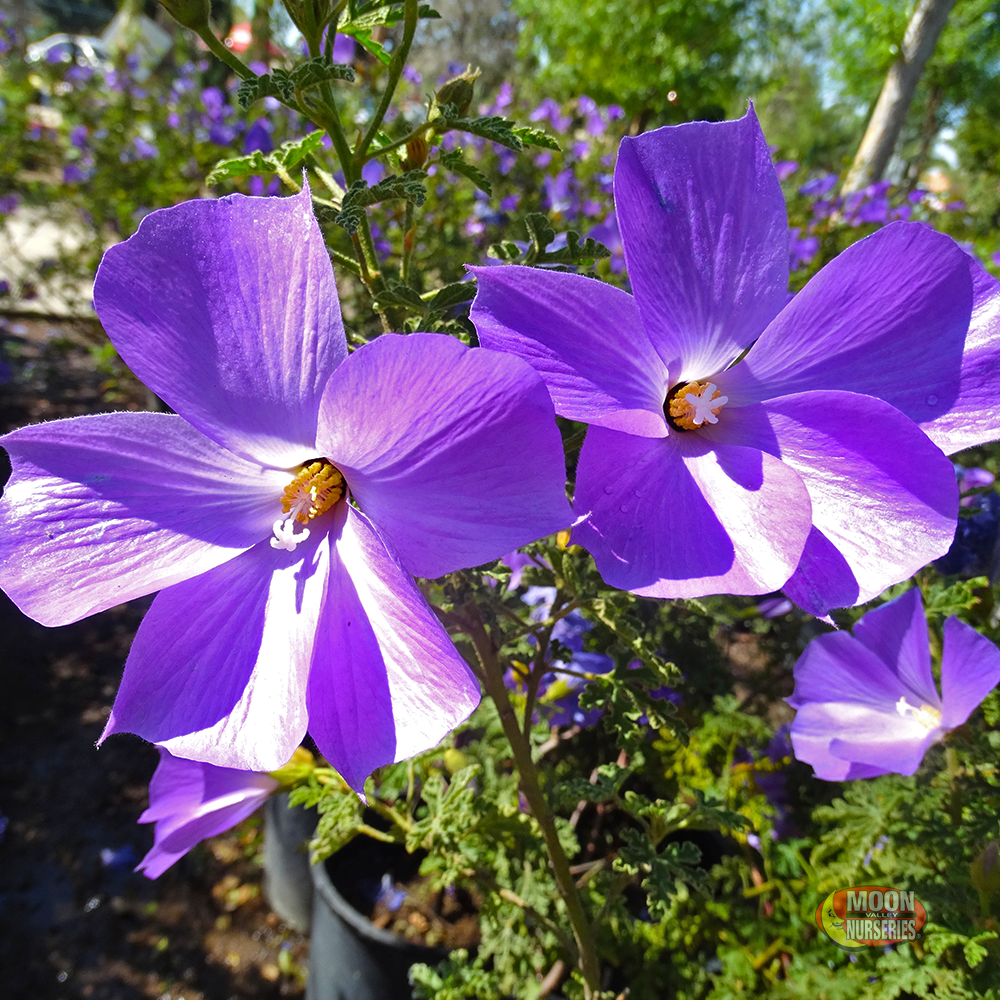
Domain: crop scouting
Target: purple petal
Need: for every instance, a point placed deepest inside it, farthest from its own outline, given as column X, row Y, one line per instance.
column 189, row 801
column 884, row 739
column 703, row 222
column 970, row 669
column 886, row 318
column 228, row 310
column 584, row 338
column 679, row 517
column 218, row 668
column 974, row 416
column 453, row 452
column 836, row 667
column 882, row 494
column 104, row 508
column 387, row 682
column 896, row 632
column 812, row 745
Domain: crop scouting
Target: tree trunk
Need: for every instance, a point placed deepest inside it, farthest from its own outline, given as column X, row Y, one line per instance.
column 887, row 119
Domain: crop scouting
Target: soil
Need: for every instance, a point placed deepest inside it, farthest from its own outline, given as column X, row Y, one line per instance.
column 76, row 921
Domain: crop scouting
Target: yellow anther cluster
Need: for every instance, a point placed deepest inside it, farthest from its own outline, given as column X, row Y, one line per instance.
column 314, row 490
column 688, row 407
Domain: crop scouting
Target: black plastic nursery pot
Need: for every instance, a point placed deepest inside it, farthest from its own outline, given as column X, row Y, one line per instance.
column 349, row 957
column 288, row 883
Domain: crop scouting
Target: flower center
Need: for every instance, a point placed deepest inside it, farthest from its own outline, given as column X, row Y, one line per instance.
column 696, row 403
column 317, row 486
column 926, row 715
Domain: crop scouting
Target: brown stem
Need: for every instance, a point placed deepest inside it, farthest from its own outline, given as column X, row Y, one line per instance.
column 521, row 749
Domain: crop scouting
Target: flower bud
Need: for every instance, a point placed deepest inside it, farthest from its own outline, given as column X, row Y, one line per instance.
column 416, row 153
column 191, row 14
column 458, row 91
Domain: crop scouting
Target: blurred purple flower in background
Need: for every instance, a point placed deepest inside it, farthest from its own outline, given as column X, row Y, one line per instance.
column 814, row 465
column 866, row 704
column 785, row 168
column 190, row 801
column 818, row 185
column 289, row 607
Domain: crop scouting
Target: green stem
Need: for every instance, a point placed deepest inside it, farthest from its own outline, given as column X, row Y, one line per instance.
column 221, row 52
column 396, row 64
column 408, row 240
column 521, row 750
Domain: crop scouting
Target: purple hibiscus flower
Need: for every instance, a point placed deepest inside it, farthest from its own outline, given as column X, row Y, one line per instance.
column 801, row 467
column 190, row 801
column 282, row 605
column 867, row 704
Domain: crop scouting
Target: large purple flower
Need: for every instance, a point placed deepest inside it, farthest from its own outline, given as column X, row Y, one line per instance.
column 190, row 800
column 283, row 605
column 867, row 704
column 801, row 467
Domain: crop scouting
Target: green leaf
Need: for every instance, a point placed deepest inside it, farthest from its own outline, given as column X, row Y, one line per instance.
column 535, row 137
column 277, row 85
column 660, row 871
column 240, row 166
column 396, row 293
column 451, row 295
column 491, row 127
column 454, row 162
column 504, row 251
column 287, row 155
column 319, row 70
column 408, row 186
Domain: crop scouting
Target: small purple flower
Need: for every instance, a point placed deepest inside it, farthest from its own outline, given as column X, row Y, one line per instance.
column 282, row 606
column 818, row 186
column 222, row 135
column 785, row 168
column 343, row 50
column 190, row 801
column 867, row 704
column 814, row 465
column 72, row 174
column 258, row 137
column 774, row 607
column 518, row 562
column 9, row 203
column 78, row 136
column 802, row 250
column 412, row 76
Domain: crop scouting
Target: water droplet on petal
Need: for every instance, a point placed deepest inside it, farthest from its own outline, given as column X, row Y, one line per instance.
column 638, row 493
column 609, row 490
column 624, row 508
column 931, row 399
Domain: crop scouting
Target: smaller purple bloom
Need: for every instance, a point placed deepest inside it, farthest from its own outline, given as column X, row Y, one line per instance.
column 543, row 159
column 785, row 168
column 802, row 250
column 72, row 174
column 518, row 562
column 774, row 607
column 222, row 135
column 867, row 704
column 143, row 150
column 389, row 895
column 343, row 49
column 78, row 137
column 510, row 203
column 258, row 137
column 411, row 75
column 818, row 186
column 615, row 112
column 9, row 203
column 190, row 800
